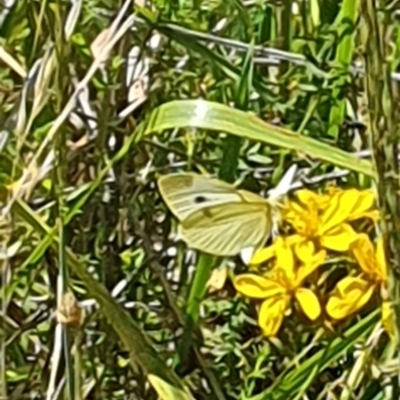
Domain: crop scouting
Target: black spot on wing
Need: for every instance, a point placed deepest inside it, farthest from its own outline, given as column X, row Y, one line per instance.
column 200, row 199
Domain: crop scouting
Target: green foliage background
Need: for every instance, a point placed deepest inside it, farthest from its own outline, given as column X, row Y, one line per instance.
column 241, row 89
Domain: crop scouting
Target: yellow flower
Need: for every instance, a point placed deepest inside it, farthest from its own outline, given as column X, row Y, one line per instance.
column 372, row 263
column 322, row 218
column 352, row 293
column 282, row 284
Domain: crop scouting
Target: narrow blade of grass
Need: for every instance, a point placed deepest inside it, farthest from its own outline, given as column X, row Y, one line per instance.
column 217, row 117
column 293, row 380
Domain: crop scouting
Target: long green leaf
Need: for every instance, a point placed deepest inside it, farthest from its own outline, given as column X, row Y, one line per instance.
column 218, row 117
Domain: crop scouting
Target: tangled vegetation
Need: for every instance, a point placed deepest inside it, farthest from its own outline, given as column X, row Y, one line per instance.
column 99, row 297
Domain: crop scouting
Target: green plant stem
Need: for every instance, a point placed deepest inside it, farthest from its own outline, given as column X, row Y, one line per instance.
column 384, row 122
column 345, row 24
column 198, row 289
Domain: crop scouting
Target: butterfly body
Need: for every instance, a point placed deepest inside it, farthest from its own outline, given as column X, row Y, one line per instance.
column 215, row 217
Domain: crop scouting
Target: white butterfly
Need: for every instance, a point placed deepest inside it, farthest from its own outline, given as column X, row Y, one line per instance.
column 215, row 217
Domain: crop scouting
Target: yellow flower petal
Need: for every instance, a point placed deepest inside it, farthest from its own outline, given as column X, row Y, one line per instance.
column 374, row 215
column 307, row 197
column 263, row 255
column 366, row 202
column 271, row 314
column 387, row 318
column 346, row 205
column 301, row 225
column 364, row 253
column 350, row 295
column 338, row 210
column 303, row 218
column 285, row 258
column 338, row 239
column 305, row 251
column 293, row 208
column 257, row 287
column 312, row 264
column 293, row 239
column 309, row 303
column 319, row 258
column 325, row 200
column 267, row 253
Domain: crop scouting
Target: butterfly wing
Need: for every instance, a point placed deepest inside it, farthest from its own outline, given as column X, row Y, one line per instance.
column 225, row 230
column 185, row 193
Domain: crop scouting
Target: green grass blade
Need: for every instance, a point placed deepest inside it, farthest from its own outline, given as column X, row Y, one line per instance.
column 293, row 381
column 230, row 155
column 217, row 117
column 345, row 23
column 166, row 391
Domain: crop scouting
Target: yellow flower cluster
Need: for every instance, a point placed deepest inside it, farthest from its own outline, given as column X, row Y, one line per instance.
column 321, row 225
